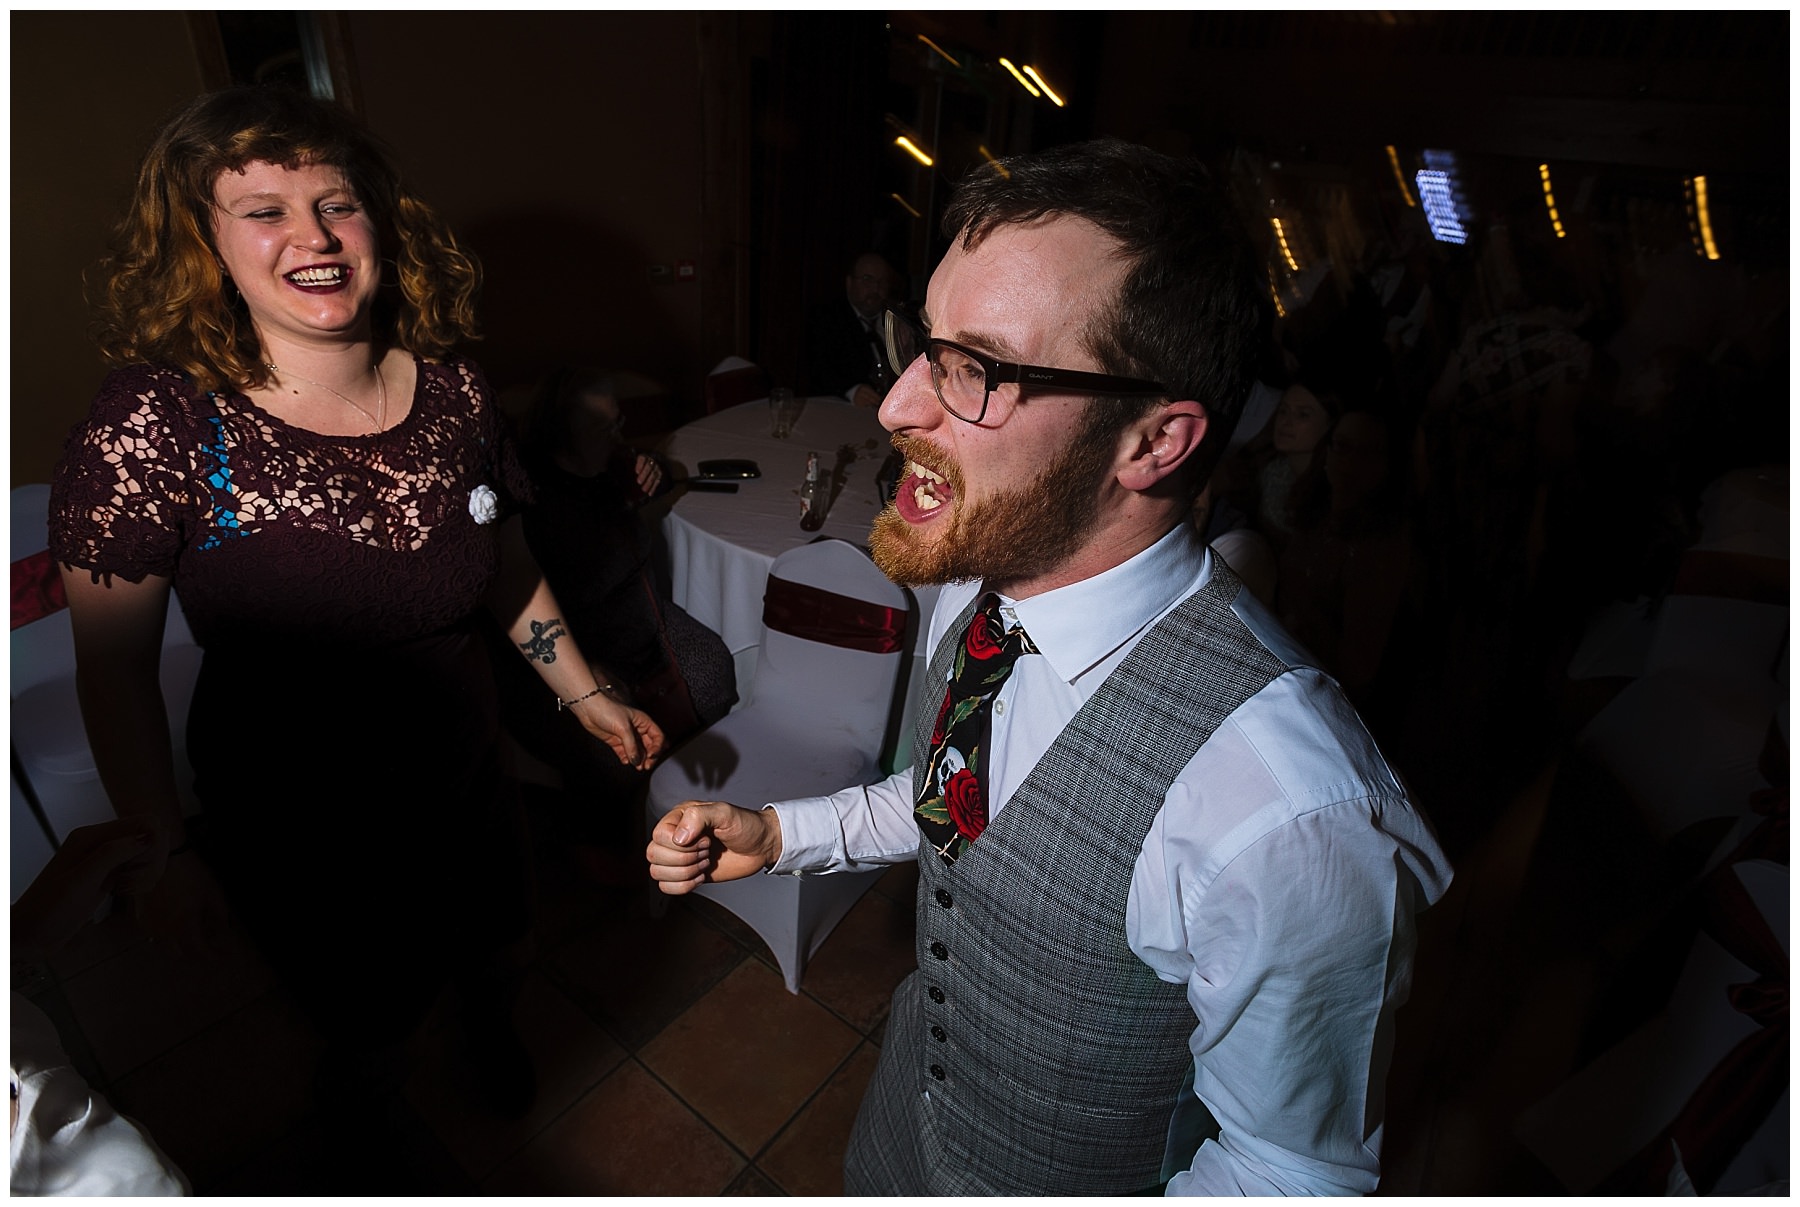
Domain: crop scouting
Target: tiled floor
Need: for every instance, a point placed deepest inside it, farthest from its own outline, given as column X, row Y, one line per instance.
column 672, row 1060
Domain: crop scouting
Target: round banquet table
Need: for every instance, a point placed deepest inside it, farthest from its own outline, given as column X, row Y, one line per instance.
column 720, row 546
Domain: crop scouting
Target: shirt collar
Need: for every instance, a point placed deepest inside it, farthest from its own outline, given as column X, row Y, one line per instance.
column 1077, row 626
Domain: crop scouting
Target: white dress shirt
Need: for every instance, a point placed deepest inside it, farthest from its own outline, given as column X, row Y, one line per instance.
column 1278, row 882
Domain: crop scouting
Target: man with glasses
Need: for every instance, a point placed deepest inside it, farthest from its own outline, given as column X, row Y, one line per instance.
column 1167, row 882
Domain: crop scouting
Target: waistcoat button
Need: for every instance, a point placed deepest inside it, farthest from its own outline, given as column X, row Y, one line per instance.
column 937, row 1071
column 938, row 1033
column 943, row 898
column 940, row 951
column 937, row 995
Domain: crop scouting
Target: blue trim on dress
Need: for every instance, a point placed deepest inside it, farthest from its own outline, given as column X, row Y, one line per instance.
column 225, row 517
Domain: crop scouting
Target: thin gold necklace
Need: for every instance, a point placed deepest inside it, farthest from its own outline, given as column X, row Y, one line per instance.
column 379, row 418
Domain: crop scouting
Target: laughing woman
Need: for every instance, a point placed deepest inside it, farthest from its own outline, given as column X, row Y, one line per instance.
column 289, row 443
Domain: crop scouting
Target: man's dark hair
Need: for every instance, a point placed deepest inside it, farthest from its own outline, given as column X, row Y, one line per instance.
column 1193, row 309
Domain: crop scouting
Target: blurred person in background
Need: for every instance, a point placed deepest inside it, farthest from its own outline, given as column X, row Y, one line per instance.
column 1349, row 571
column 585, row 528
column 844, row 357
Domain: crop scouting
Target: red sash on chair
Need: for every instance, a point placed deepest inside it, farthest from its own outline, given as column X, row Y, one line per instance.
column 814, row 614
column 37, row 589
column 1725, row 575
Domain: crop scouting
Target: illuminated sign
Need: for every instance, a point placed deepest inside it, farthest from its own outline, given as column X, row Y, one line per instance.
column 1438, row 194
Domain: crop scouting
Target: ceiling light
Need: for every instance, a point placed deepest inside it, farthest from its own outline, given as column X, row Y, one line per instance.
column 1024, row 83
column 906, row 144
column 1400, row 177
column 1550, row 199
column 1039, row 80
column 940, row 50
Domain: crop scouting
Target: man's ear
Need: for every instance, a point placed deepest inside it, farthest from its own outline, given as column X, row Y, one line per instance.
column 1160, row 443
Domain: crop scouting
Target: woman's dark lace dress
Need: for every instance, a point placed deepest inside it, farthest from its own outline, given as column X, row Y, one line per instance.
column 343, row 730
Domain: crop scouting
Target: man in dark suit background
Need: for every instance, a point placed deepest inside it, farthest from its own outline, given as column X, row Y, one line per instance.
column 843, row 349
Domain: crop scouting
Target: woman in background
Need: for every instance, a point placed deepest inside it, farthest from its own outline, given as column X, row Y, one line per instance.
column 1348, row 570
column 1302, row 420
column 585, row 529
column 291, row 445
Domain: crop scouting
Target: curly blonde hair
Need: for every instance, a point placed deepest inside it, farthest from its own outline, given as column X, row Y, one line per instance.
column 162, row 295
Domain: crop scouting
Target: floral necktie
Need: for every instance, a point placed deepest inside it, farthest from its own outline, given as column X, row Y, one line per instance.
column 952, row 799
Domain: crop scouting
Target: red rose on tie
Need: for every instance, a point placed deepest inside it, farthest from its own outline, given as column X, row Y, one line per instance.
column 968, row 811
column 937, row 730
column 981, row 644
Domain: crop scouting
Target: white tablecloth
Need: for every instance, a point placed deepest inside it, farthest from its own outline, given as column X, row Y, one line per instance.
column 721, row 545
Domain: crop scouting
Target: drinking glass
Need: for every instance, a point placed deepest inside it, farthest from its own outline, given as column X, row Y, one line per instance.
column 784, row 409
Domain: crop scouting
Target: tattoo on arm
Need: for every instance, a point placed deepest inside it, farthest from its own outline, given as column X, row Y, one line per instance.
column 542, row 646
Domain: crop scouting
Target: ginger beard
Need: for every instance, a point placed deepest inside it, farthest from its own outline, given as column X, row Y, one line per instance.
column 1014, row 534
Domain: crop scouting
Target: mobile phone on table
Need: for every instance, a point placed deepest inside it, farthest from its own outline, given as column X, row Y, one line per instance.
column 729, row 469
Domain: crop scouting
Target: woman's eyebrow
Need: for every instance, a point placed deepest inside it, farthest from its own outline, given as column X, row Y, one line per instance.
column 260, row 197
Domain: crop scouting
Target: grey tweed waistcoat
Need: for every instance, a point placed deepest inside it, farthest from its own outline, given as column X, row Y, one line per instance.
column 1032, row 1052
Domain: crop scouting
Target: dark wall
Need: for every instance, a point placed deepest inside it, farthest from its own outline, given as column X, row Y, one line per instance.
column 77, row 134
column 566, row 150
column 816, row 138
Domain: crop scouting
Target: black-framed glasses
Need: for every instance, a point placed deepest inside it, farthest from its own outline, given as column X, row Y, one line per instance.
column 964, row 378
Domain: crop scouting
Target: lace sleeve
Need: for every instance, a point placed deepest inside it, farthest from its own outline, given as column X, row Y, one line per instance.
column 119, row 501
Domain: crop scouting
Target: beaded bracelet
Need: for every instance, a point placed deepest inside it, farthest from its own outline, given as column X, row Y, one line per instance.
column 562, row 703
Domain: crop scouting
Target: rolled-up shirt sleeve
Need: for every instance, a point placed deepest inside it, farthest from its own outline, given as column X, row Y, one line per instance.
column 1296, row 1016
column 859, row 828
column 1298, row 953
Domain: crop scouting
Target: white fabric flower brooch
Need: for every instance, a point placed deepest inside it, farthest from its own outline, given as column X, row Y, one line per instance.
column 483, row 505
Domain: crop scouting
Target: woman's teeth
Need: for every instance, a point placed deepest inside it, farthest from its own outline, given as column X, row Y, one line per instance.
column 316, row 276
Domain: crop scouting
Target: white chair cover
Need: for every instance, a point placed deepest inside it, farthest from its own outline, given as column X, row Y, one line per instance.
column 31, row 849
column 730, row 363
column 819, row 719
column 47, row 731
column 1686, row 737
column 1615, row 1105
column 1686, row 746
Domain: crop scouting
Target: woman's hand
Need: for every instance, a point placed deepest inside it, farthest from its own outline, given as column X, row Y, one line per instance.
column 118, row 630
column 92, row 862
column 185, row 908
column 631, row 733
column 523, row 602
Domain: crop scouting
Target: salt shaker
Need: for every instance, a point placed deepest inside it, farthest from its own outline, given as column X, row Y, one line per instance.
column 812, row 496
